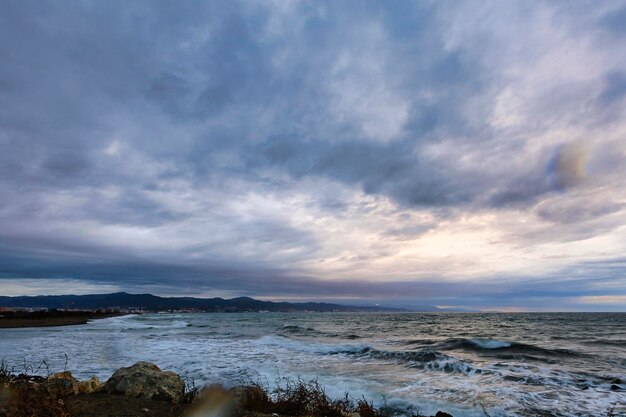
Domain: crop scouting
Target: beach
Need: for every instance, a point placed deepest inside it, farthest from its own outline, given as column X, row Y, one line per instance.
column 19, row 319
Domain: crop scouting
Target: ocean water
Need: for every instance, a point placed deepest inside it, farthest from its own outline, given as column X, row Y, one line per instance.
column 522, row 364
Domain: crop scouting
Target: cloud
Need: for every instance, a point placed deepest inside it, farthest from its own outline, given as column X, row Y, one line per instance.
column 615, row 88
column 306, row 147
column 603, row 299
column 614, row 19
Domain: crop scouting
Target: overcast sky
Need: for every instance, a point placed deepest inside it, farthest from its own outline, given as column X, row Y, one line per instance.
column 468, row 154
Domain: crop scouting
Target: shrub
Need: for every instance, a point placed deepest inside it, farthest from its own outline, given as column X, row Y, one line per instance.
column 302, row 398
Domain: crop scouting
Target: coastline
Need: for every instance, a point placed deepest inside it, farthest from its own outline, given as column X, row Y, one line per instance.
column 16, row 320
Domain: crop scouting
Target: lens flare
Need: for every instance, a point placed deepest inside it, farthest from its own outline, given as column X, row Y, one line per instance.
column 568, row 166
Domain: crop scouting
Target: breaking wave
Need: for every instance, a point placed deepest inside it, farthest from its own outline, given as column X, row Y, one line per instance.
column 423, row 359
column 493, row 347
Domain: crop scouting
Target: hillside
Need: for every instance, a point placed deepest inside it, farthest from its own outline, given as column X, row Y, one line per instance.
column 151, row 302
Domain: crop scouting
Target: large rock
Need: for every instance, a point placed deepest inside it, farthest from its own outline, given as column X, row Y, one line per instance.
column 62, row 384
column 146, row 380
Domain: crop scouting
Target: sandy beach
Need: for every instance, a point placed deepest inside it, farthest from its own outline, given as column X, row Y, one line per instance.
column 17, row 319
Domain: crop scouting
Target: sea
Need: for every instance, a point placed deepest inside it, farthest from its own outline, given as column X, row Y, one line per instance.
column 467, row 364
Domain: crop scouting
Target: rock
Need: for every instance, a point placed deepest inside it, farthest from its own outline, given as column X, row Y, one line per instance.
column 89, row 386
column 61, row 383
column 146, row 380
column 442, row 414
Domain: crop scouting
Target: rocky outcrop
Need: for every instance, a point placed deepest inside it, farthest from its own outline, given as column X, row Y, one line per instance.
column 146, row 380
column 64, row 384
column 61, row 384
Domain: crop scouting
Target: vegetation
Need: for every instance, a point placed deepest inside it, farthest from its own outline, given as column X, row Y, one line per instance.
column 21, row 395
column 51, row 317
column 302, row 398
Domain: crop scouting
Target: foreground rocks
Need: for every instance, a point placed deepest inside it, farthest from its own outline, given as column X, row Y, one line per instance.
column 143, row 389
column 146, row 380
column 61, row 384
column 89, row 386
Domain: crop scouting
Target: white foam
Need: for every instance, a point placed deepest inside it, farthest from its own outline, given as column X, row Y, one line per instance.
column 490, row 343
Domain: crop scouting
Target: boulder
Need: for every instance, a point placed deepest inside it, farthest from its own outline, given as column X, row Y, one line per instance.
column 146, row 380
column 89, row 386
column 61, row 383
column 442, row 414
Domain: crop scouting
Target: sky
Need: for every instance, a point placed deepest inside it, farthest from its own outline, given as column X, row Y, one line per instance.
column 450, row 153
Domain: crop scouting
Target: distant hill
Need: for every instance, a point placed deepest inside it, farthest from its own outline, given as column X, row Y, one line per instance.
column 151, row 302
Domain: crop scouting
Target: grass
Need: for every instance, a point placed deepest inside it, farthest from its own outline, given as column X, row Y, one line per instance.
column 21, row 395
column 307, row 398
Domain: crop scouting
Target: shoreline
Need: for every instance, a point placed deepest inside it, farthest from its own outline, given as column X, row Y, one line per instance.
column 19, row 320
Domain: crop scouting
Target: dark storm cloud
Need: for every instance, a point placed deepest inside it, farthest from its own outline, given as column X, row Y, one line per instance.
column 394, row 170
column 76, row 70
column 220, row 145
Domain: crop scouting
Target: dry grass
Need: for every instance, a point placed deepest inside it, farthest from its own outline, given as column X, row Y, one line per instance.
column 293, row 399
column 302, row 398
column 21, row 396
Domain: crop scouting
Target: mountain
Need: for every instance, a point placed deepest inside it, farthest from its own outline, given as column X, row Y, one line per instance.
column 151, row 302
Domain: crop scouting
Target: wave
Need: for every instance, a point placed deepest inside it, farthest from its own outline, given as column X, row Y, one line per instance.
column 493, row 347
column 136, row 325
column 427, row 359
column 411, row 356
column 295, row 330
column 299, row 331
column 490, row 343
column 423, row 359
column 605, row 342
column 419, row 342
column 523, row 348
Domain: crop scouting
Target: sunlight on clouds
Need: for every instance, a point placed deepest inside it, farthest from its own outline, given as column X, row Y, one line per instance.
column 463, row 247
column 603, row 299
